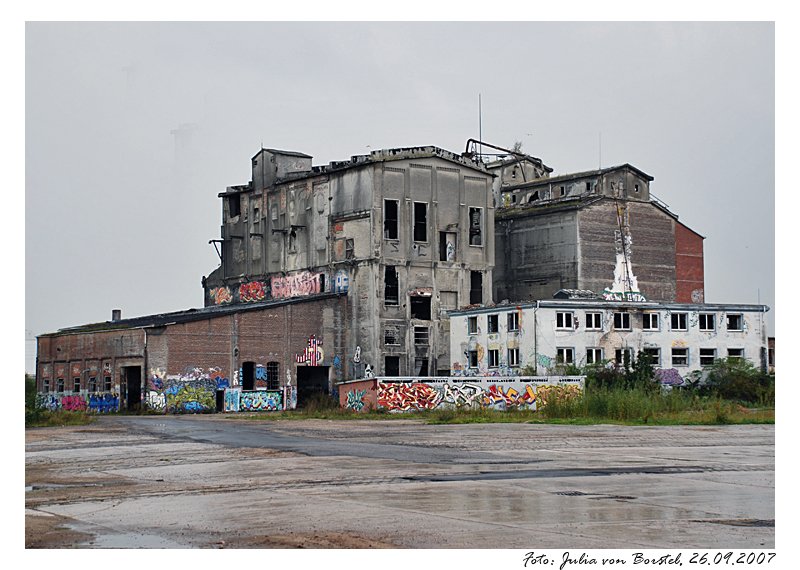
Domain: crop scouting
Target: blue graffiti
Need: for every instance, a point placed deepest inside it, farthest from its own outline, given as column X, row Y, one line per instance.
column 261, row 373
column 104, row 403
column 222, row 383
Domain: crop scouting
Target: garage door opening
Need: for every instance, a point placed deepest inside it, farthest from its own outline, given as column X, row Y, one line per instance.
column 312, row 383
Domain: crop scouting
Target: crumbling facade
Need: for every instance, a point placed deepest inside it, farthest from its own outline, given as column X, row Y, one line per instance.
column 407, row 234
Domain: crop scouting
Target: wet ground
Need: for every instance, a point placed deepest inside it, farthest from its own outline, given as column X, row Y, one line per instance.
column 219, row 482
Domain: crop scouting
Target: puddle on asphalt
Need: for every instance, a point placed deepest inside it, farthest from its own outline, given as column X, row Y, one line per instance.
column 132, row 540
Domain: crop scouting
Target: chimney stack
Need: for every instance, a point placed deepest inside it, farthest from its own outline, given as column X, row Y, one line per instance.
column 116, row 315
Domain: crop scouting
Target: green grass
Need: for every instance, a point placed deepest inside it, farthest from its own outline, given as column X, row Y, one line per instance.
column 44, row 418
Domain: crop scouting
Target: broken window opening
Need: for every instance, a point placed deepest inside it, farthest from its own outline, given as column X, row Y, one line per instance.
column 473, row 358
column 622, row 321
column 421, row 308
column 475, row 288
column 650, row 321
column 92, row 384
column 234, row 206
column 349, row 249
column 475, row 226
column 391, row 336
column 678, row 321
column 735, row 353
column 421, row 336
column 391, row 366
column 447, row 246
column 594, row 321
column 706, row 322
column 45, row 386
column 273, row 376
column 472, row 325
column 734, row 322
column 390, row 219
column 680, row 357
column 248, row 376
column 533, row 197
column 493, row 324
column 76, row 385
column 623, row 356
column 391, row 291
column 707, row 356
column 654, row 354
column 513, row 322
column 107, row 384
column 420, row 221
column 565, row 355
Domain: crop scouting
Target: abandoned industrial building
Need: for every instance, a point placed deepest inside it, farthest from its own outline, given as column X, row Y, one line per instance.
column 411, row 262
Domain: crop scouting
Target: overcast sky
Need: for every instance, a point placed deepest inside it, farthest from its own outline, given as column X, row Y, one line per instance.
column 132, row 129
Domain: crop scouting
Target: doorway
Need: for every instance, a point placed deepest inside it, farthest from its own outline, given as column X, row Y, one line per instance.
column 248, row 376
column 312, row 381
column 133, row 387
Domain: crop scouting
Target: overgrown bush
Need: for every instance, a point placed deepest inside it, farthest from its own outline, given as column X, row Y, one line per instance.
column 737, row 379
column 638, row 374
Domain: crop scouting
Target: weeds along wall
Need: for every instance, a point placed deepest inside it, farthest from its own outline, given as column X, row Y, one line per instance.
column 498, row 393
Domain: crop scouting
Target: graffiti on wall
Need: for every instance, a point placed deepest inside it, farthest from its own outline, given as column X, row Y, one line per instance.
column 341, row 282
column 313, row 355
column 407, row 396
column 253, row 292
column 668, row 377
column 74, row 403
column 259, row 401
column 220, row 295
column 355, row 400
column 296, row 285
column 193, row 390
column 99, row 403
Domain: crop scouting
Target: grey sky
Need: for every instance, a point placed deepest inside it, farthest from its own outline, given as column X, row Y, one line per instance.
column 133, row 128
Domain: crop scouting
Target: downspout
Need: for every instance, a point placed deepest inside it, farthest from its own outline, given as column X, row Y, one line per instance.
column 143, row 379
column 535, row 334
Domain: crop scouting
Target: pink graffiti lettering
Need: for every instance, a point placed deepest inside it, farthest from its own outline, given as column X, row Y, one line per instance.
column 397, row 396
column 73, row 403
column 297, row 285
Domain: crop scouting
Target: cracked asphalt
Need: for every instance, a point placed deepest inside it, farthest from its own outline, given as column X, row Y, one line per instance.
column 216, row 481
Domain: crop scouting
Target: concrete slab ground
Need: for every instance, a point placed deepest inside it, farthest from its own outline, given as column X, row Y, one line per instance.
column 212, row 481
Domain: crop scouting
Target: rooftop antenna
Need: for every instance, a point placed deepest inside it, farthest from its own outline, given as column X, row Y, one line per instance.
column 600, row 150
column 480, row 128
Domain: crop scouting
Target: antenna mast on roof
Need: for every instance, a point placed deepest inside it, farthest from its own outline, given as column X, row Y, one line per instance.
column 480, row 128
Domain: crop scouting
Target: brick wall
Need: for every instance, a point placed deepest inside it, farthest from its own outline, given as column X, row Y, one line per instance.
column 689, row 265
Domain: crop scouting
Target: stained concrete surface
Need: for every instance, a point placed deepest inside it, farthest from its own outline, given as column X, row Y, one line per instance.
column 211, row 481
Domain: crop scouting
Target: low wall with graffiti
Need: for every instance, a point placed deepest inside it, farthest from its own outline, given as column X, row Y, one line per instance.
column 499, row 393
column 192, row 391
column 238, row 400
column 100, row 402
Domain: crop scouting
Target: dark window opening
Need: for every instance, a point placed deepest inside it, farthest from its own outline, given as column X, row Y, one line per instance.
column 234, row 206
column 421, row 308
column 60, row 385
column 534, row 197
column 421, row 366
column 475, row 288
column 562, row 191
column 420, row 221
column 107, row 384
column 421, row 336
column 391, row 336
column 349, row 249
column 493, row 324
column 734, row 322
column 390, row 221
column 46, row 386
column 588, row 186
column 248, row 376
column 472, row 325
column 447, row 246
column 391, row 291
column 76, row 385
column 92, row 384
column 391, row 366
column 475, row 227
column 635, row 187
column 473, row 358
column 494, row 358
column 273, row 376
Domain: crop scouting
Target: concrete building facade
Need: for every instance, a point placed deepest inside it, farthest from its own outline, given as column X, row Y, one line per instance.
column 681, row 338
column 406, row 233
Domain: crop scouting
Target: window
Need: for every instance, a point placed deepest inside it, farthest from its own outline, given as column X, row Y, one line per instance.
column 678, row 321
column 564, row 320
column 533, row 197
column 650, row 321
column 475, row 226
column 421, row 366
column 594, row 321
column 494, row 358
column 256, row 218
column 107, row 384
column 45, row 386
column 391, row 336
column 473, row 358
column 234, row 206
column 655, row 356
column 622, row 321
column 421, row 308
column 421, row 336
column 636, row 188
column 391, row 365
column 472, row 325
column 493, row 325
column 623, row 356
column 60, row 385
column 273, row 376
column 734, row 322
column 513, row 357
column 391, row 291
column 92, row 384
column 735, row 353
column 513, row 321
column 680, row 357
column 707, row 356
column 565, row 355
column 390, row 222
column 76, row 385
column 562, row 191
column 594, row 355
column 588, row 186
column 475, row 288
column 447, row 246
column 420, row 221
column 706, row 322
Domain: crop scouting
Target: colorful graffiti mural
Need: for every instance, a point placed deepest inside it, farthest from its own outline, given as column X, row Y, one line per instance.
column 253, row 292
column 515, row 392
column 193, row 390
column 221, row 295
column 355, row 400
column 313, row 355
column 341, row 282
column 98, row 403
column 260, row 400
column 296, row 285
column 668, row 377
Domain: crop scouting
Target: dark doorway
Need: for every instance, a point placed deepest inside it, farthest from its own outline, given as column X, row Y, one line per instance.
column 220, row 401
column 133, row 387
column 312, row 382
column 248, row 376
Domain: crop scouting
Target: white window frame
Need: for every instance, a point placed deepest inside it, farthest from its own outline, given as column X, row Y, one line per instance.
column 678, row 359
column 677, row 316
column 596, row 318
column 493, row 355
column 702, row 356
column 647, row 321
column 619, row 355
column 561, row 320
column 513, row 357
column 562, row 352
column 513, row 322
column 597, row 355
column 708, row 317
column 624, row 316
column 489, row 324
column 737, row 349
column 740, row 316
column 472, row 326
